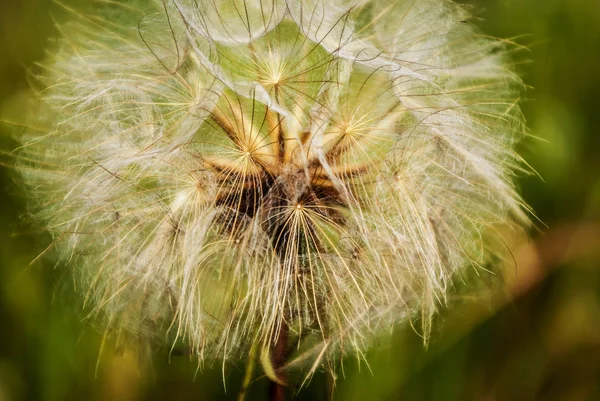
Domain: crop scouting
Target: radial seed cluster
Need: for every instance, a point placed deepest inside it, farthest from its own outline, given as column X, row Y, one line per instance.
column 228, row 172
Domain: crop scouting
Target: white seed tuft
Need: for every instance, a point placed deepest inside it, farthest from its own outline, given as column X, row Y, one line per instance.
column 235, row 172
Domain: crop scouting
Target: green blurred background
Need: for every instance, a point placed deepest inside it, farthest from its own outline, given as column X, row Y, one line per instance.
column 537, row 337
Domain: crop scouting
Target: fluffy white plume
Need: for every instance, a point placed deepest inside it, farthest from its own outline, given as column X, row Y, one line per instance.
column 242, row 173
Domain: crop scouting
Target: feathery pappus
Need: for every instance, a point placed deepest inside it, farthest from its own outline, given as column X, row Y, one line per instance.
column 292, row 177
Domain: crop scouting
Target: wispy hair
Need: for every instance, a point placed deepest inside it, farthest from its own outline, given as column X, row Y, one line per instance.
column 226, row 173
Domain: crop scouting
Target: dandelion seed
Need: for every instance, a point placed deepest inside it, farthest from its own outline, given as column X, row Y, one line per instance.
column 287, row 177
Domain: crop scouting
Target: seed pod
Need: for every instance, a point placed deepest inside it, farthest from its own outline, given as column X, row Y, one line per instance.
column 289, row 176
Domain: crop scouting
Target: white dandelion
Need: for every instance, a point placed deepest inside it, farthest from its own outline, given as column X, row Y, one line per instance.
column 282, row 178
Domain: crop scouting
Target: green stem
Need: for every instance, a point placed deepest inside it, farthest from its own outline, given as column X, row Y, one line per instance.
column 249, row 371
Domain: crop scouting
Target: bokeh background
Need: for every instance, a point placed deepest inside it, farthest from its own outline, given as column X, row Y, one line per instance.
column 536, row 336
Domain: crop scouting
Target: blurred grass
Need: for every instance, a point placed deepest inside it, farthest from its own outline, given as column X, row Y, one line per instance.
column 537, row 338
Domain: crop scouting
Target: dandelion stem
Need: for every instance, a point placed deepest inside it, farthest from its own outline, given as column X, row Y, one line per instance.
column 277, row 389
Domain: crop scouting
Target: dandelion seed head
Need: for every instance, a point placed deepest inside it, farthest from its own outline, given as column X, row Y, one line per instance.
column 221, row 172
